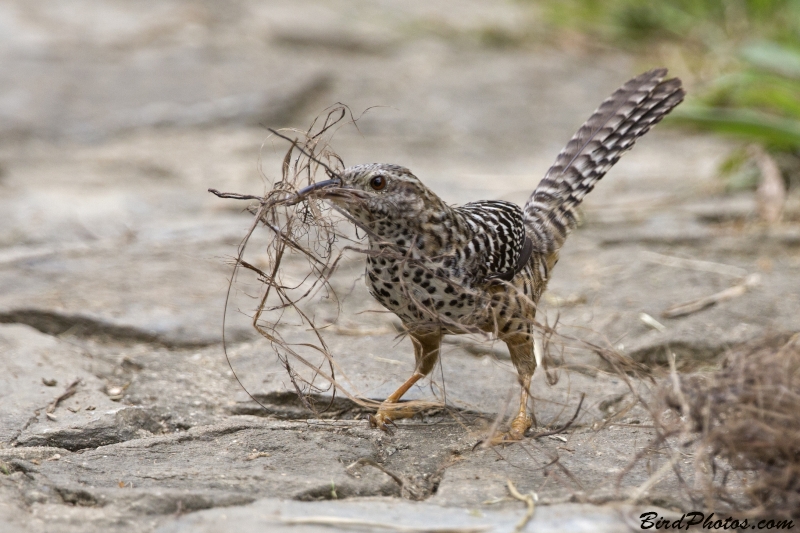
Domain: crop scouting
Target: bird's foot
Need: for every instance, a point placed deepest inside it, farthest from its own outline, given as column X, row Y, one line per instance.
column 381, row 421
column 515, row 433
column 387, row 414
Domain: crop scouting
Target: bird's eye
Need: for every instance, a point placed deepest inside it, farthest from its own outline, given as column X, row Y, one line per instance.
column 378, row 183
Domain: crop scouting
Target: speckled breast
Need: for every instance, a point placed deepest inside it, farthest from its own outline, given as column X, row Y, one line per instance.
column 425, row 292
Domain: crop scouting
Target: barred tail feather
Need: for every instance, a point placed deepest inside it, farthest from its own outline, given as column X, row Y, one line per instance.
column 611, row 131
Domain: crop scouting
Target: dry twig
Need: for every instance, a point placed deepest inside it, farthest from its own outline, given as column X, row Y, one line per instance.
column 356, row 522
column 771, row 192
column 701, row 303
column 529, row 500
column 69, row 392
column 566, row 426
column 693, row 264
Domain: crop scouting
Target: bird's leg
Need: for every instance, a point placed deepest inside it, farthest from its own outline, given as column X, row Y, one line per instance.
column 520, row 347
column 524, row 419
column 390, row 410
column 426, row 353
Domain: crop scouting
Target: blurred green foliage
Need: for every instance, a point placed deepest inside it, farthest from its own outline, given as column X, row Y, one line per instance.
column 760, row 101
column 710, row 24
column 749, row 48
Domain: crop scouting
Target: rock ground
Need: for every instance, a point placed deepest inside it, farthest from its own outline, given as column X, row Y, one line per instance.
column 114, row 263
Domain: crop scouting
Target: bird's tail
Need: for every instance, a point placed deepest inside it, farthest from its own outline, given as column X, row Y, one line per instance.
column 611, row 131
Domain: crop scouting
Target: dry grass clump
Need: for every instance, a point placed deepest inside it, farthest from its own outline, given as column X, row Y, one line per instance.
column 285, row 289
column 747, row 418
column 305, row 229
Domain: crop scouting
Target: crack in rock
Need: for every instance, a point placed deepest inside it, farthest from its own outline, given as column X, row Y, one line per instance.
column 151, row 502
column 341, row 491
column 287, row 405
column 55, row 323
column 126, row 424
column 695, row 353
column 79, row 496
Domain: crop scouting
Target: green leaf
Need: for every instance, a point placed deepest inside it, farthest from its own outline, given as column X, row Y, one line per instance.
column 747, row 124
column 755, row 90
column 774, row 58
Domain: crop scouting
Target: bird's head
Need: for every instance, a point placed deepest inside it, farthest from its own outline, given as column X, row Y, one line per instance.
column 376, row 193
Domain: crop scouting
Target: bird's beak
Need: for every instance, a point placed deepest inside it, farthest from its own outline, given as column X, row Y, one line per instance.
column 305, row 191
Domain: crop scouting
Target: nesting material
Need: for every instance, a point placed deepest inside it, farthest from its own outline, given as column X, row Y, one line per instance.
column 309, row 229
column 747, row 416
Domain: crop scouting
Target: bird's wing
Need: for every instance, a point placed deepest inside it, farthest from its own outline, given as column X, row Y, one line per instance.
column 499, row 239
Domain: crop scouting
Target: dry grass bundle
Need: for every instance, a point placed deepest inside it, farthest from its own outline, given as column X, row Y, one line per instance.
column 747, row 420
column 303, row 226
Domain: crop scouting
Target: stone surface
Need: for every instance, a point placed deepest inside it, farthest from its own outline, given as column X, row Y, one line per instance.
column 273, row 515
column 115, row 262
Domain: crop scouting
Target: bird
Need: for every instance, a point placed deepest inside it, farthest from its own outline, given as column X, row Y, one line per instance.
column 484, row 265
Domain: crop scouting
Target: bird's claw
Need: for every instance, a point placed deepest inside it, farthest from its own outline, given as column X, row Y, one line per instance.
column 498, row 439
column 382, row 422
column 515, row 433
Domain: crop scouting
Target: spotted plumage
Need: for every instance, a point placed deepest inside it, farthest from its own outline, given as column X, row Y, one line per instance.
column 484, row 265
